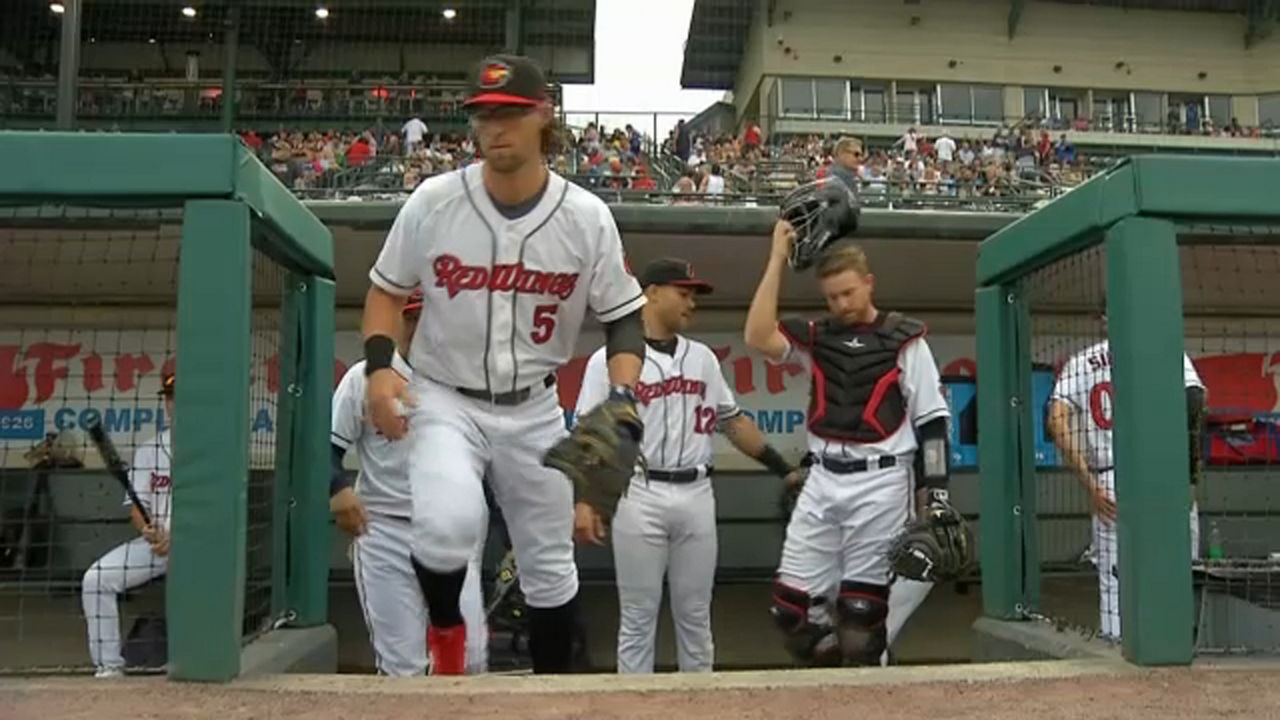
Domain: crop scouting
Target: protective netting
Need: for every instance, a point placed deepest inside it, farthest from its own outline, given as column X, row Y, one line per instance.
column 87, row 299
column 338, row 64
column 1232, row 327
column 266, row 526
column 1071, row 413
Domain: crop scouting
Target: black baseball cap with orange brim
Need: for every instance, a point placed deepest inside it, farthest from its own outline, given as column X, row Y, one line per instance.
column 673, row 271
column 512, row 80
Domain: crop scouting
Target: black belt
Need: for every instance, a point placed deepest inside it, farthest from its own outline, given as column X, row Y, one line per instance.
column 687, row 475
column 845, row 467
column 514, row 397
column 1108, row 468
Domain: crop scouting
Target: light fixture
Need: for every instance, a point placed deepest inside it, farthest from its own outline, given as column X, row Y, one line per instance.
column 322, row 12
column 57, row 8
column 188, row 11
column 151, row 40
column 449, row 13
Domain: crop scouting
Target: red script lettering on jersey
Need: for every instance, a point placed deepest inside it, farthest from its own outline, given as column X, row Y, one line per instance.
column 678, row 385
column 456, row 277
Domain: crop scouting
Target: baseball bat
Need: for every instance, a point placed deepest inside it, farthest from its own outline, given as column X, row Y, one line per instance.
column 115, row 466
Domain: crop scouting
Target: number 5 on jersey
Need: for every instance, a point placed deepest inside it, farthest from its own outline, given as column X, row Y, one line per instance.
column 544, row 323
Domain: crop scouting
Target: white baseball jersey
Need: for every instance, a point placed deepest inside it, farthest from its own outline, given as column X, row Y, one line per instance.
column 1085, row 382
column 504, row 300
column 150, row 475
column 682, row 399
column 921, row 389
column 383, row 481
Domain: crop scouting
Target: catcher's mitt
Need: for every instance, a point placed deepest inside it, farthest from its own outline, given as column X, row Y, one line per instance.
column 600, row 454
column 935, row 548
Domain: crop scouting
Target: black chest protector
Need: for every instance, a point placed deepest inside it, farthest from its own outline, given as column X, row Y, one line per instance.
column 856, row 395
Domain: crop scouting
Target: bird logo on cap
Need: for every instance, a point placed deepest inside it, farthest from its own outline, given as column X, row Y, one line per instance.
column 494, row 75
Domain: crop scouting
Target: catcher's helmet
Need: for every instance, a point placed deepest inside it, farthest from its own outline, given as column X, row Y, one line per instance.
column 821, row 213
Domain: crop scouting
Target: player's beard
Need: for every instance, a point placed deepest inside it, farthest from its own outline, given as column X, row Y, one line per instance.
column 506, row 163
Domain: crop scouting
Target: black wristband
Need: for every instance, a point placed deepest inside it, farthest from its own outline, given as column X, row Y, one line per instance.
column 378, row 351
column 337, row 484
column 338, row 480
column 773, row 460
column 622, row 392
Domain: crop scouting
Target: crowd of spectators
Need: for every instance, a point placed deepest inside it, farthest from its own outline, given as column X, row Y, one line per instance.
column 1011, row 161
column 397, row 161
column 602, row 158
column 1024, row 160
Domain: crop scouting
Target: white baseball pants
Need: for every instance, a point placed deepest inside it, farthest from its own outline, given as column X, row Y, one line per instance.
column 456, row 440
column 848, row 520
column 1106, row 556
column 394, row 609
column 665, row 529
column 124, row 567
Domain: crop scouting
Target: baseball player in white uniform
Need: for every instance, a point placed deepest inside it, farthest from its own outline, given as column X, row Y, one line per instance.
column 666, row 523
column 1080, row 421
column 139, row 560
column 376, row 513
column 510, row 257
column 876, row 399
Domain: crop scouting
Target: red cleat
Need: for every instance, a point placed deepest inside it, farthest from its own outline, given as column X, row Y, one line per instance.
column 448, row 648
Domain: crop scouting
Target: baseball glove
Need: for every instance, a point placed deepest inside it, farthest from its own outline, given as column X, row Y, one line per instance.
column 935, row 548
column 600, row 453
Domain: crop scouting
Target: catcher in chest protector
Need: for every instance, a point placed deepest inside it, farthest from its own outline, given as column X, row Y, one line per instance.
column 877, row 430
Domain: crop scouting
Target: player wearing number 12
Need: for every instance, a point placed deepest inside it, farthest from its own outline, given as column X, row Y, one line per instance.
column 666, row 523
column 1080, row 421
column 510, row 258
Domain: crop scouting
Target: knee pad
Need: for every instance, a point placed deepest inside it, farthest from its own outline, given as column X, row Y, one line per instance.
column 861, row 610
column 811, row 645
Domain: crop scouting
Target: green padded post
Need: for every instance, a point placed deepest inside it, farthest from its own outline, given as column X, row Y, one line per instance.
column 311, row 534
column 286, row 438
column 998, row 451
column 206, row 584
column 1029, row 510
column 1144, row 314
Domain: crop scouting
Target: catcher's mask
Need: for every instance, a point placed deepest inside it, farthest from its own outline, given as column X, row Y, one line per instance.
column 821, row 212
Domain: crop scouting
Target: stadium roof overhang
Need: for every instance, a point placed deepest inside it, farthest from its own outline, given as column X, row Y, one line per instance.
column 718, row 30
column 27, row 27
column 713, row 49
column 1260, row 15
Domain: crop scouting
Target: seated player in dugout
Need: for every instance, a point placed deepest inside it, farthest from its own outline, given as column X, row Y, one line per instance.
column 876, row 418
column 137, row 561
column 1081, row 413
column 377, row 514
column 665, row 526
